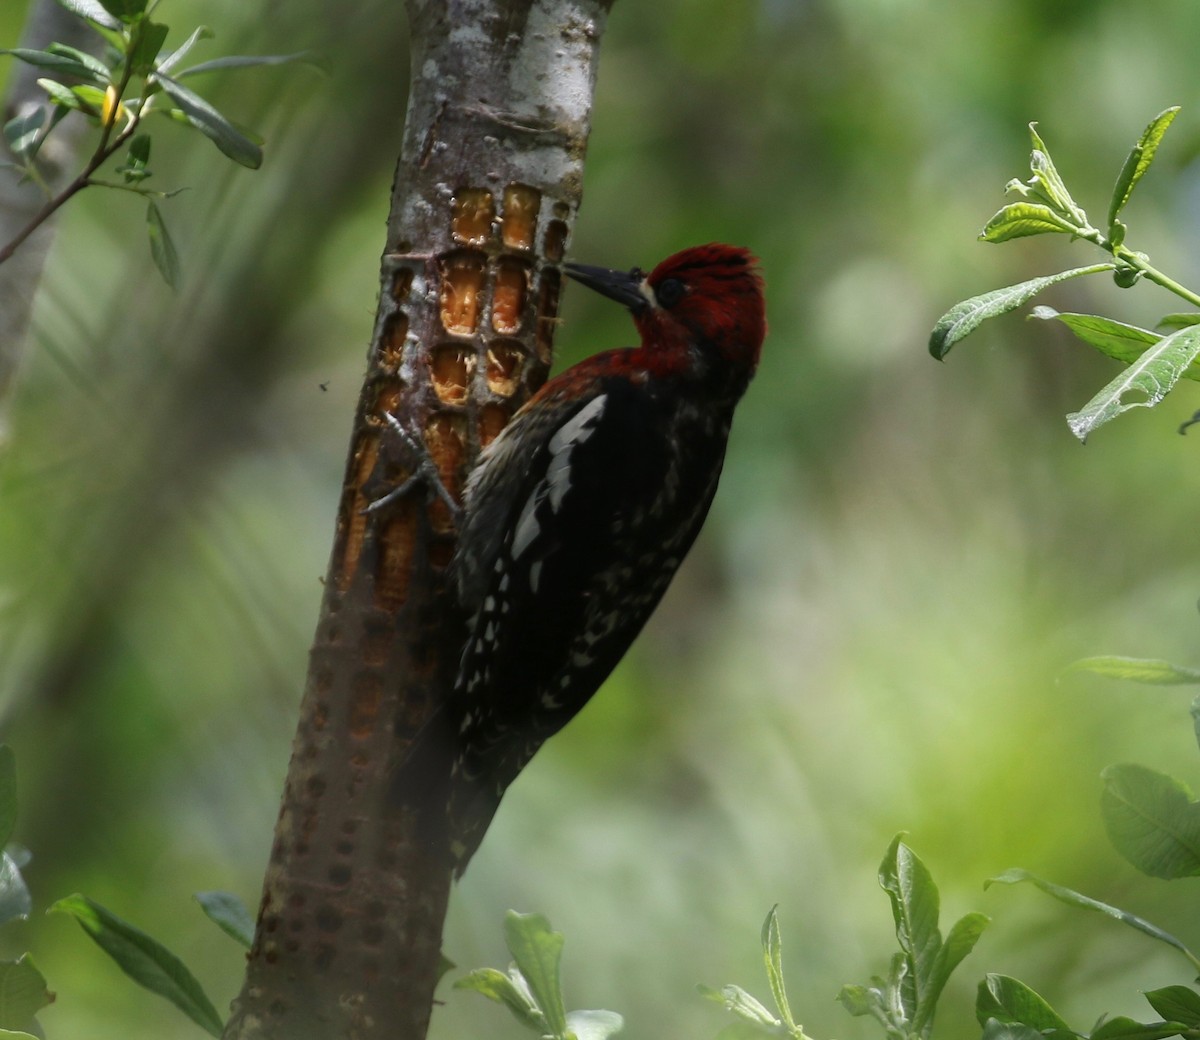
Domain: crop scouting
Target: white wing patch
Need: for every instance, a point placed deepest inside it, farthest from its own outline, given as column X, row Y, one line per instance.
column 580, row 427
column 557, row 481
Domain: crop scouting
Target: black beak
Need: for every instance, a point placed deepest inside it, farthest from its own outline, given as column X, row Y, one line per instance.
column 623, row 286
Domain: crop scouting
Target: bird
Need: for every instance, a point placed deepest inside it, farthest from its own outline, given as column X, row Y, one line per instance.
column 579, row 513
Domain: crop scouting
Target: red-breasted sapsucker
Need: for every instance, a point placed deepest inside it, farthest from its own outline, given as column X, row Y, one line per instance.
column 579, row 513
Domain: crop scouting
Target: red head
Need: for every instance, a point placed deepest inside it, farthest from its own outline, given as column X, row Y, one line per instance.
column 704, row 299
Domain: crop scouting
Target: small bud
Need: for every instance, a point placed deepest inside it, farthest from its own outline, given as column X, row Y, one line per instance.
column 1126, row 277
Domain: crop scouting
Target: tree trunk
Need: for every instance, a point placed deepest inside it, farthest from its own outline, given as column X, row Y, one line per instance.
column 486, row 192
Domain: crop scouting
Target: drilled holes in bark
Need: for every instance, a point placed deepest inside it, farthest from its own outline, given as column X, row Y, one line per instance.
column 474, row 212
column 374, row 647
column 504, row 358
column 389, row 393
column 508, row 297
column 402, row 279
column 462, row 281
column 352, row 520
column 397, row 536
column 518, row 222
column 364, row 704
column 445, row 436
column 547, row 314
column 391, row 343
column 554, row 242
column 492, row 419
column 450, row 369
column 327, row 919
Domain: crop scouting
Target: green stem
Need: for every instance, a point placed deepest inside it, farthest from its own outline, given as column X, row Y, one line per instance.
column 1156, row 276
column 101, row 156
column 104, row 151
column 1136, row 260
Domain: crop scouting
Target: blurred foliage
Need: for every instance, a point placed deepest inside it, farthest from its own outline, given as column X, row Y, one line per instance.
column 867, row 636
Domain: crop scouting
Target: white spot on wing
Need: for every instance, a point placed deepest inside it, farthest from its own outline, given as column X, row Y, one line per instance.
column 574, row 432
column 527, row 526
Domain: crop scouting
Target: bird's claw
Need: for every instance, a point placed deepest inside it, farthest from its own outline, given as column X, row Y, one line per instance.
column 425, row 472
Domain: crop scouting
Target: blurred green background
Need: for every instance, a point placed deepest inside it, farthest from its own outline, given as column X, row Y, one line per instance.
column 866, row 638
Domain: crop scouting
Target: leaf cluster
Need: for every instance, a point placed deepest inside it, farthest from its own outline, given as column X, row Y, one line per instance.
column 134, row 77
column 532, row 987
column 1155, row 360
column 754, row 1019
column 905, row 1002
column 23, row 989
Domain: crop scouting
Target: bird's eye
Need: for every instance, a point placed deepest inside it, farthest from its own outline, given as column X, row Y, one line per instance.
column 670, row 292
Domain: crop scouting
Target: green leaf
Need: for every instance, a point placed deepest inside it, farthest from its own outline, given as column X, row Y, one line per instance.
column 229, row 913
column 509, row 990
column 914, row 898
column 1006, row 999
column 1178, row 321
column 744, row 1005
column 93, row 11
column 15, row 901
column 17, row 1034
column 772, row 944
column 1152, row 375
column 23, row 993
column 958, row 943
column 143, row 959
column 135, row 167
column 212, row 124
column 21, row 133
column 162, row 249
column 1152, row 821
column 65, row 96
column 1072, row 898
column 1137, row 669
column 202, row 32
column 245, row 61
column 1121, row 1028
column 91, row 97
column 594, row 1025
column 1176, row 1004
column 127, row 11
column 103, row 73
column 860, row 1001
column 1138, row 162
column 993, row 1029
column 537, row 951
column 1124, row 342
column 148, row 38
column 1022, row 219
column 61, row 64
column 1048, row 183
column 963, row 318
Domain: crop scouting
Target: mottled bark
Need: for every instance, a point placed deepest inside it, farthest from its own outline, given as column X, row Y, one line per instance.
column 486, row 191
